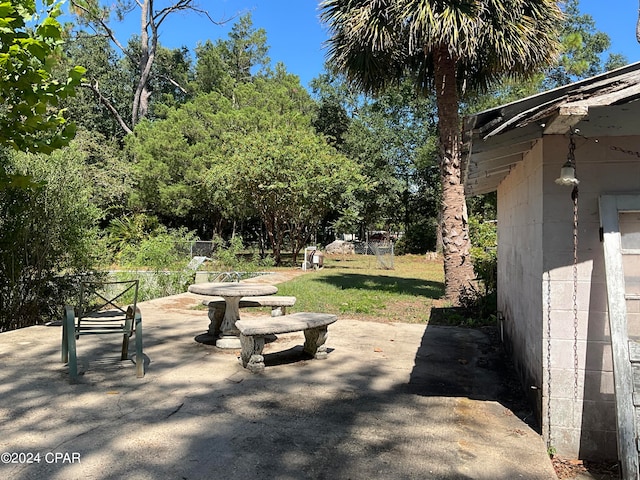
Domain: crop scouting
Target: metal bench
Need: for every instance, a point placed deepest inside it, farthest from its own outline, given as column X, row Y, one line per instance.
column 254, row 331
column 217, row 307
column 102, row 309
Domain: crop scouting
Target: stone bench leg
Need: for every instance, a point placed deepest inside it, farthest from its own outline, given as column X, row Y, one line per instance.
column 216, row 315
column 278, row 311
column 251, row 354
column 314, row 339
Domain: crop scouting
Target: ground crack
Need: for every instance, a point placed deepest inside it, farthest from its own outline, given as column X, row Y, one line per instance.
column 176, row 410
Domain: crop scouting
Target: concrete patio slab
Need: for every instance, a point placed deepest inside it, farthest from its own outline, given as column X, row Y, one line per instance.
column 391, row 401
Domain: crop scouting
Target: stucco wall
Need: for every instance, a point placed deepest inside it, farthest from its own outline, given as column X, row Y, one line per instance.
column 536, row 286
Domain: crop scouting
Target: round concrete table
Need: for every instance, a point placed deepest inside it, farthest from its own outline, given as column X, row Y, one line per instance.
column 232, row 293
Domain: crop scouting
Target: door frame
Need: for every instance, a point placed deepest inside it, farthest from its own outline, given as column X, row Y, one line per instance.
column 610, row 206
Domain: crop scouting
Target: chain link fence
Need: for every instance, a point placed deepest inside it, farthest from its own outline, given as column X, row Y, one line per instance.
column 383, row 252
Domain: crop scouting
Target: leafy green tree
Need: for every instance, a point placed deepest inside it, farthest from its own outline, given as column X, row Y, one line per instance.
column 421, row 233
column 213, row 155
column 29, row 95
column 107, row 170
column 170, row 77
column 45, row 222
column 47, row 228
column 292, row 178
column 108, row 91
column 94, row 15
column 245, row 50
column 332, row 120
column 104, row 74
column 384, row 136
column 582, row 49
column 211, row 72
column 226, row 63
column 445, row 47
column 171, row 161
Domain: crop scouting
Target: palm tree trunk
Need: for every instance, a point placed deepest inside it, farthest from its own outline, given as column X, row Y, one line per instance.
column 458, row 269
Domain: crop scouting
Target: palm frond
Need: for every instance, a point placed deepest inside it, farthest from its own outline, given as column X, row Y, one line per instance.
column 364, row 44
column 375, row 42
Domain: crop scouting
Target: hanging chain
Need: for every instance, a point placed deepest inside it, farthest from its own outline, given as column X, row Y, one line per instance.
column 571, row 156
column 549, row 445
column 574, row 196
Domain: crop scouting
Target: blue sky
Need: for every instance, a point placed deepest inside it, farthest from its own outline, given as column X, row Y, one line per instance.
column 294, row 32
column 616, row 18
column 295, row 35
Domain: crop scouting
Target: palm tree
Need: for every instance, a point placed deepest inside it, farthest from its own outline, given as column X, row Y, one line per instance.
column 446, row 47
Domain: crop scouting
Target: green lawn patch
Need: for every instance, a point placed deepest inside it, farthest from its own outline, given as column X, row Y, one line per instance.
column 354, row 286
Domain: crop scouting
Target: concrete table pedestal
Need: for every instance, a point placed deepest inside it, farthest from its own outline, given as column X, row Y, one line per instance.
column 232, row 293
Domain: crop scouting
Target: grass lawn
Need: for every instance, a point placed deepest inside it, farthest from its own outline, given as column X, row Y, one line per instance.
column 355, row 286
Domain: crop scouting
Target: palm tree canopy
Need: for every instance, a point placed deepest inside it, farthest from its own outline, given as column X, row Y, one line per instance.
column 377, row 41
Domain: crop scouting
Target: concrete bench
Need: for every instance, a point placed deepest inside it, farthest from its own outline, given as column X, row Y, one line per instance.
column 217, row 307
column 253, row 332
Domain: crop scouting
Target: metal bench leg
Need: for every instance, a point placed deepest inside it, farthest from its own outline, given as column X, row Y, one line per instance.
column 128, row 323
column 65, row 344
column 314, row 339
column 251, row 355
column 139, row 354
column 69, row 344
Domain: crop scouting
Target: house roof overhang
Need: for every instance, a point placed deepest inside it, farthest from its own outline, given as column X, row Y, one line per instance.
column 496, row 140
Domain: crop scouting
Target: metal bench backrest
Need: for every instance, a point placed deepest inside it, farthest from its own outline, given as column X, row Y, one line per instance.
column 106, row 301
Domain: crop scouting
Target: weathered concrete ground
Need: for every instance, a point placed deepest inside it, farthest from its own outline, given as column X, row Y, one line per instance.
column 393, row 401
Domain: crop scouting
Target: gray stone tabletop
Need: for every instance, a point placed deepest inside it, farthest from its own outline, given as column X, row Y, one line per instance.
column 232, row 289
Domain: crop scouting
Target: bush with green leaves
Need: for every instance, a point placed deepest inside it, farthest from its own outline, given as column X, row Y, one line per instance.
column 420, row 237
column 126, row 232
column 484, row 238
column 30, row 40
column 161, row 249
column 234, row 256
column 164, row 254
column 47, row 234
column 482, row 295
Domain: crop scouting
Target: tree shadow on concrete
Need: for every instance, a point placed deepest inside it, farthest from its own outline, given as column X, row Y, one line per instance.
column 471, row 363
column 351, row 416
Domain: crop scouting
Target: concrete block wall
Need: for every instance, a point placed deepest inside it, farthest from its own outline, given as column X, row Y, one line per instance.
column 581, row 415
column 575, row 406
column 520, row 242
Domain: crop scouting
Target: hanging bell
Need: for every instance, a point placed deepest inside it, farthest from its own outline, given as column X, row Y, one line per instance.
column 567, row 175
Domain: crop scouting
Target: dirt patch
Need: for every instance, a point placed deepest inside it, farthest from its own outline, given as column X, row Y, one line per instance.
column 279, row 276
column 571, row 468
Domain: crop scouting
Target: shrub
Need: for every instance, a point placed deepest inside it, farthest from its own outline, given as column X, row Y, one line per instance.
column 164, row 254
column 47, row 229
column 163, row 249
column 419, row 238
column 233, row 256
column 482, row 296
